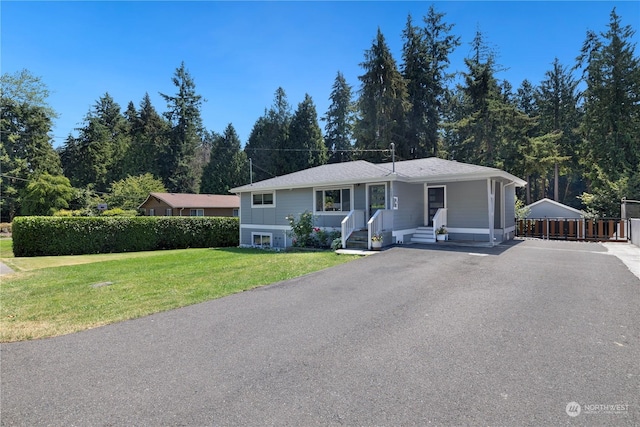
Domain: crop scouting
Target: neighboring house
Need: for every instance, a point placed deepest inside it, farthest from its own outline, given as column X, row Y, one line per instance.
column 405, row 201
column 179, row 204
column 547, row 208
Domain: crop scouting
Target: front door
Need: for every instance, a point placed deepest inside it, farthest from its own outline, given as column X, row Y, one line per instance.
column 377, row 198
column 435, row 201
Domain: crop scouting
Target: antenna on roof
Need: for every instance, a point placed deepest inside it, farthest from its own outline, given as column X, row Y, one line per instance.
column 250, row 171
column 393, row 157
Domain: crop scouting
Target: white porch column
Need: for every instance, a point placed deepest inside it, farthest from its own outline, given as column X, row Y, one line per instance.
column 491, row 200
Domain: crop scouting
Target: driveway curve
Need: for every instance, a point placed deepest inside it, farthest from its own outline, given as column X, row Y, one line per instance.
column 411, row 336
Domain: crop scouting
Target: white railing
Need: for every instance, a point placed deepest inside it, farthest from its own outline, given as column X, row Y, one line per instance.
column 351, row 222
column 439, row 220
column 380, row 221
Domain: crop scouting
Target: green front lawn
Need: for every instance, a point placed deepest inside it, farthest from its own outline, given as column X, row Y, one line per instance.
column 41, row 300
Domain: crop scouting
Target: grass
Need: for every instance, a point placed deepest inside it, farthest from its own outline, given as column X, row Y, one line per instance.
column 50, row 296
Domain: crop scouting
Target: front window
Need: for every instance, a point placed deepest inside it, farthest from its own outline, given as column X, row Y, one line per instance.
column 196, row 212
column 152, row 212
column 333, row 200
column 168, row 212
column 263, row 199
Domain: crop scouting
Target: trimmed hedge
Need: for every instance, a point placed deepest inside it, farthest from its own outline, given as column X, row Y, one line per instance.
column 46, row 235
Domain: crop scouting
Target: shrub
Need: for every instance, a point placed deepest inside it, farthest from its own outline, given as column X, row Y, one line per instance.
column 5, row 227
column 40, row 236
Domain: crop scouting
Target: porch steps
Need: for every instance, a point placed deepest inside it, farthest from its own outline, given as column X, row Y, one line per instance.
column 423, row 235
column 358, row 240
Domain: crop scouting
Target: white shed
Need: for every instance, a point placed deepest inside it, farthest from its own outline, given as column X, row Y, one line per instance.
column 547, row 208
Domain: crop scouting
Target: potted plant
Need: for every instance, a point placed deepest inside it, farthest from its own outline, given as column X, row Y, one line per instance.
column 376, row 241
column 441, row 234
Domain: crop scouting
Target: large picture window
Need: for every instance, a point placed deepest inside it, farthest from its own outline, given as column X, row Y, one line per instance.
column 196, row 212
column 333, row 200
column 263, row 200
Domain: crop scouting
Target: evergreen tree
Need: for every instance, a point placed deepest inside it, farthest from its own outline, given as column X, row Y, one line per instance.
column 382, row 104
column 611, row 124
column 149, row 140
column 96, row 157
column 557, row 106
column 426, row 57
column 339, row 122
column 25, row 145
column 268, row 138
column 305, row 139
column 183, row 113
column 227, row 167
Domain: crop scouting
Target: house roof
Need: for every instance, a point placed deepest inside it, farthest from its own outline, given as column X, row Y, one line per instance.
column 183, row 200
column 553, row 202
column 360, row 171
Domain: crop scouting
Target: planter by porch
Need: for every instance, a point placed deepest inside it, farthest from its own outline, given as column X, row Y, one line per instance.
column 441, row 237
column 376, row 246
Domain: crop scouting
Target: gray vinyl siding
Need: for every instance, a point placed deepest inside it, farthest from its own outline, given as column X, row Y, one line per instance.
column 467, row 204
column 410, row 213
column 287, row 202
column 509, row 206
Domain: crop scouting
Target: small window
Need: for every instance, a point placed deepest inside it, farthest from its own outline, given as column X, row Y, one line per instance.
column 196, row 212
column 333, row 200
column 263, row 200
column 168, row 212
column 236, row 212
column 262, row 240
column 152, row 212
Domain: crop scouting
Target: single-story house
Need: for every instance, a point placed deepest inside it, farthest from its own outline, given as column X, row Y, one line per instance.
column 180, row 204
column 405, row 201
column 547, row 208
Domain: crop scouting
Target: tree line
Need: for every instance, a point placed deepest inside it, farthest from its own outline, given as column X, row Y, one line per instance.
column 575, row 137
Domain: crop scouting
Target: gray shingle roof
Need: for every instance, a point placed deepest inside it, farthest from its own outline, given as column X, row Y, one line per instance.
column 361, row 171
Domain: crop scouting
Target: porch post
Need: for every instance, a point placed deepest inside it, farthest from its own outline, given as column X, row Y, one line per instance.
column 491, row 195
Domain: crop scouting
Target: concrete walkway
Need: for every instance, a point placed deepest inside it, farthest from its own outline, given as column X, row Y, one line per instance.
column 627, row 253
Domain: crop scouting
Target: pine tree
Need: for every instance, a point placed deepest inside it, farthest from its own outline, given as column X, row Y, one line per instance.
column 382, row 105
column 227, row 167
column 183, row 113
column 305, row 139
column 339, row 122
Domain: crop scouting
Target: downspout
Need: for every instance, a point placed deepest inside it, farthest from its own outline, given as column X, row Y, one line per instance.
column 491, row 205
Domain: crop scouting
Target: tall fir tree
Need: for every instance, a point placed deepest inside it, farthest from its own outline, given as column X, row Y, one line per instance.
column 426, row 59
column 268, row 137
column 227, row 166
column 96, row 157
column 611, row 124
column 382, row 105
column 176, row 161
column 339, row 121
column 557, row 108
column 305, row 139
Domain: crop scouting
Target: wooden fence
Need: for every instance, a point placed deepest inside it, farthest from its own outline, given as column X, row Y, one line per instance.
column 599, row 230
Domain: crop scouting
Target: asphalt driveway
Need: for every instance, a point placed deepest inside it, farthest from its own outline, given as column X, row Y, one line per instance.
column 411, row 336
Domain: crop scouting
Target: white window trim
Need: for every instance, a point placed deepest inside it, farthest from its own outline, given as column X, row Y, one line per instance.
column 168, row 212
column 152, row 212
column 197, row 210
column 341, row 212
column 270, row 235
column 273, row 205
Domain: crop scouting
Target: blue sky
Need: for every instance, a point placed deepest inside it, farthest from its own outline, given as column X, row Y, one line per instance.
column 239, row 53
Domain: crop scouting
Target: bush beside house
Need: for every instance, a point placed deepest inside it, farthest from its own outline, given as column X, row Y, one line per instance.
column 47, row 236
